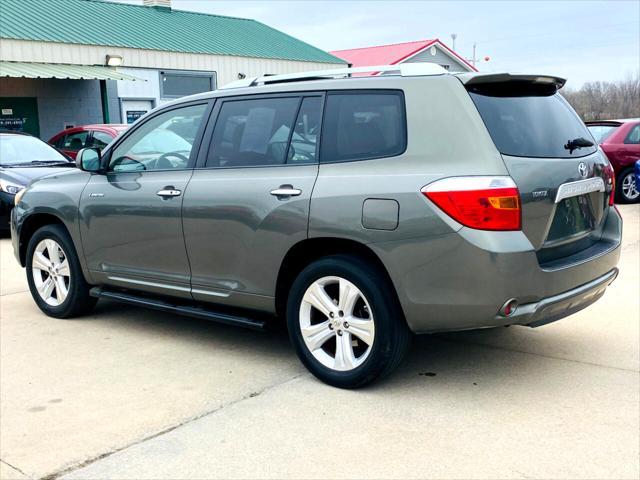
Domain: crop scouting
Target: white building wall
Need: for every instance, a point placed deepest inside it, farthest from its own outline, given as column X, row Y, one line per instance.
column 60, row 102
column 143, row 64
column 226, row 67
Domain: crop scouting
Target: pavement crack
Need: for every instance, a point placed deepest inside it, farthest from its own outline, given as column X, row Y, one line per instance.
column 15, row 468
column 89, row 461
column 13, row 293
column 494, row 347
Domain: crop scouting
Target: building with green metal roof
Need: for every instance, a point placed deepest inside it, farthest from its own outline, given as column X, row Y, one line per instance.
column 88, row 61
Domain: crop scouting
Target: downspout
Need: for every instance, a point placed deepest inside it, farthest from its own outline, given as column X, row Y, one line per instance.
column 105, row 101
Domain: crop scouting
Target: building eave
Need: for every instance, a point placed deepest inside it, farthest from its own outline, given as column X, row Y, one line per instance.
column 446, row 50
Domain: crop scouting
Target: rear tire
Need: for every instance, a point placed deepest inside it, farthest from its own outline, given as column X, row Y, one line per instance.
column 54, row 274
column 627, row 191
column 345, row 321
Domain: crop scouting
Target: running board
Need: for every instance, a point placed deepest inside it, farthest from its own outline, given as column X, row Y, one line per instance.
column 190, row 311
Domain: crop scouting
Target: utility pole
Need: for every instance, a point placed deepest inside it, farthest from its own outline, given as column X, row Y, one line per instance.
column 473, row 60
column 453, row 41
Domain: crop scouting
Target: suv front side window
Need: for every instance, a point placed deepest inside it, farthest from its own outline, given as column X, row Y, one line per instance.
column 100, row 139
column 163, row 142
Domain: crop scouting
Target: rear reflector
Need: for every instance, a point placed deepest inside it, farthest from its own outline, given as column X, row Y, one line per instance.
column 611, row 182
column 483, row 203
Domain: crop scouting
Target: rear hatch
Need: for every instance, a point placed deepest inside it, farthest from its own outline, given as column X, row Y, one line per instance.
column 563, row 178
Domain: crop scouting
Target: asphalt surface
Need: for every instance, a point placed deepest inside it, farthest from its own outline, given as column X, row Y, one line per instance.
column 130, row 393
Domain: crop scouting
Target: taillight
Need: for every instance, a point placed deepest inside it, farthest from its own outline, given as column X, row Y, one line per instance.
column 483, row 203
column 611, row 182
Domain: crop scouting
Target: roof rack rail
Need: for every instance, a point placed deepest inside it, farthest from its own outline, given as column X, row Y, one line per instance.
column 404, row 70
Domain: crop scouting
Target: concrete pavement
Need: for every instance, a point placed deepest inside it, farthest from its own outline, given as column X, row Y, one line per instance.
column 130, row 393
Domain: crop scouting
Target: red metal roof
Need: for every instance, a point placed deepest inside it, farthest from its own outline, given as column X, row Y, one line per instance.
column 391, row 54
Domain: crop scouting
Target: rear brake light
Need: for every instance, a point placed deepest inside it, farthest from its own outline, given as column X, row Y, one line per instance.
column 611, row 182
column 483, row 203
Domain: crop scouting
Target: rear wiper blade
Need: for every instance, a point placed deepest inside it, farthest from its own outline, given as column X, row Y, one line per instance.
column 576, row 143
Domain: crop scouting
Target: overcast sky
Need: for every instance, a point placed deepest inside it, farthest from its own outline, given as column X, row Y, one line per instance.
column 580, row 40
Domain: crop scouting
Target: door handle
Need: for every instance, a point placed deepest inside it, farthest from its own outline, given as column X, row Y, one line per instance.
column 286, row 191
column 168, row 192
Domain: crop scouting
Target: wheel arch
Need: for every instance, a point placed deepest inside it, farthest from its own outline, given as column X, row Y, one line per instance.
column 30, row 225
column 307, row 251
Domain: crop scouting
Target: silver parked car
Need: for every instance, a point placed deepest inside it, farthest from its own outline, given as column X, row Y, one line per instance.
column 359, row 209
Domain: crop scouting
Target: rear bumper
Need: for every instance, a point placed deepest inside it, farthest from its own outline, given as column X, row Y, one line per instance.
column 559, row 306
column 461, row 280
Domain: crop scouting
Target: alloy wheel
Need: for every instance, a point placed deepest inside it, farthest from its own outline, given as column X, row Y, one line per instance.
column 337, row 324
column 51, row 272
column 629, row 188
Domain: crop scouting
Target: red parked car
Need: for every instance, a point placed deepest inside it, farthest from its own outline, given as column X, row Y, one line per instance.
column 70, row 141
column 620, row 140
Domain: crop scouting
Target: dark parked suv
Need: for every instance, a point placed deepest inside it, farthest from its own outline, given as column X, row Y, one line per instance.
column 359, row 209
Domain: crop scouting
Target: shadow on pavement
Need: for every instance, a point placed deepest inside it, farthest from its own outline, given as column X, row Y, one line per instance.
column 432, row 359
column 273, row 342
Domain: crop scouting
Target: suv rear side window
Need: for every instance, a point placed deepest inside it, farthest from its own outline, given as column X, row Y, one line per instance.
column 633, row 137
column 252, row 133
column 532, row 126
column 362, row 125
column 75, row 141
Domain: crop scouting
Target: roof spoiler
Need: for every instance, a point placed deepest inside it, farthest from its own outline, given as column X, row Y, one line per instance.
column 512, row 85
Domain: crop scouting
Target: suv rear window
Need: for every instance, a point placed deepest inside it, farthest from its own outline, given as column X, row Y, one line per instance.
column 362, row 125
column 532, row 126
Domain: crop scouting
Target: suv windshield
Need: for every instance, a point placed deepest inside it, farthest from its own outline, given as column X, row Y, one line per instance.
column 532, row 126
column 22, row 149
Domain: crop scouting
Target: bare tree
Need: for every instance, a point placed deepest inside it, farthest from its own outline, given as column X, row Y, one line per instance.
column 606, row 100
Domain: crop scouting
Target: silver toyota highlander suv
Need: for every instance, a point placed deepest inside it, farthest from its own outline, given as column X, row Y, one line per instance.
column 359, row 209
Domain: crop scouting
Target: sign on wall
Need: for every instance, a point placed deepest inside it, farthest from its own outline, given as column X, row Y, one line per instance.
column 16, row 124
column 133, row 115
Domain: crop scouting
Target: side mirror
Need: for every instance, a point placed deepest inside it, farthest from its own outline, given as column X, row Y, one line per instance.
column 89, row 160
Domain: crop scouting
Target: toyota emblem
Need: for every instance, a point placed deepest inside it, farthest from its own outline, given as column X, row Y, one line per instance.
column 582, row 169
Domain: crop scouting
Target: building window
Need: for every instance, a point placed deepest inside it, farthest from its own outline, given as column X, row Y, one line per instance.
column 175, row 84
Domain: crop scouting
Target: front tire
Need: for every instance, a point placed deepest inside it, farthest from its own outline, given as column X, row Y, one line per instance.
column 345, row 322
column 627, row 189
column 54, row 274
